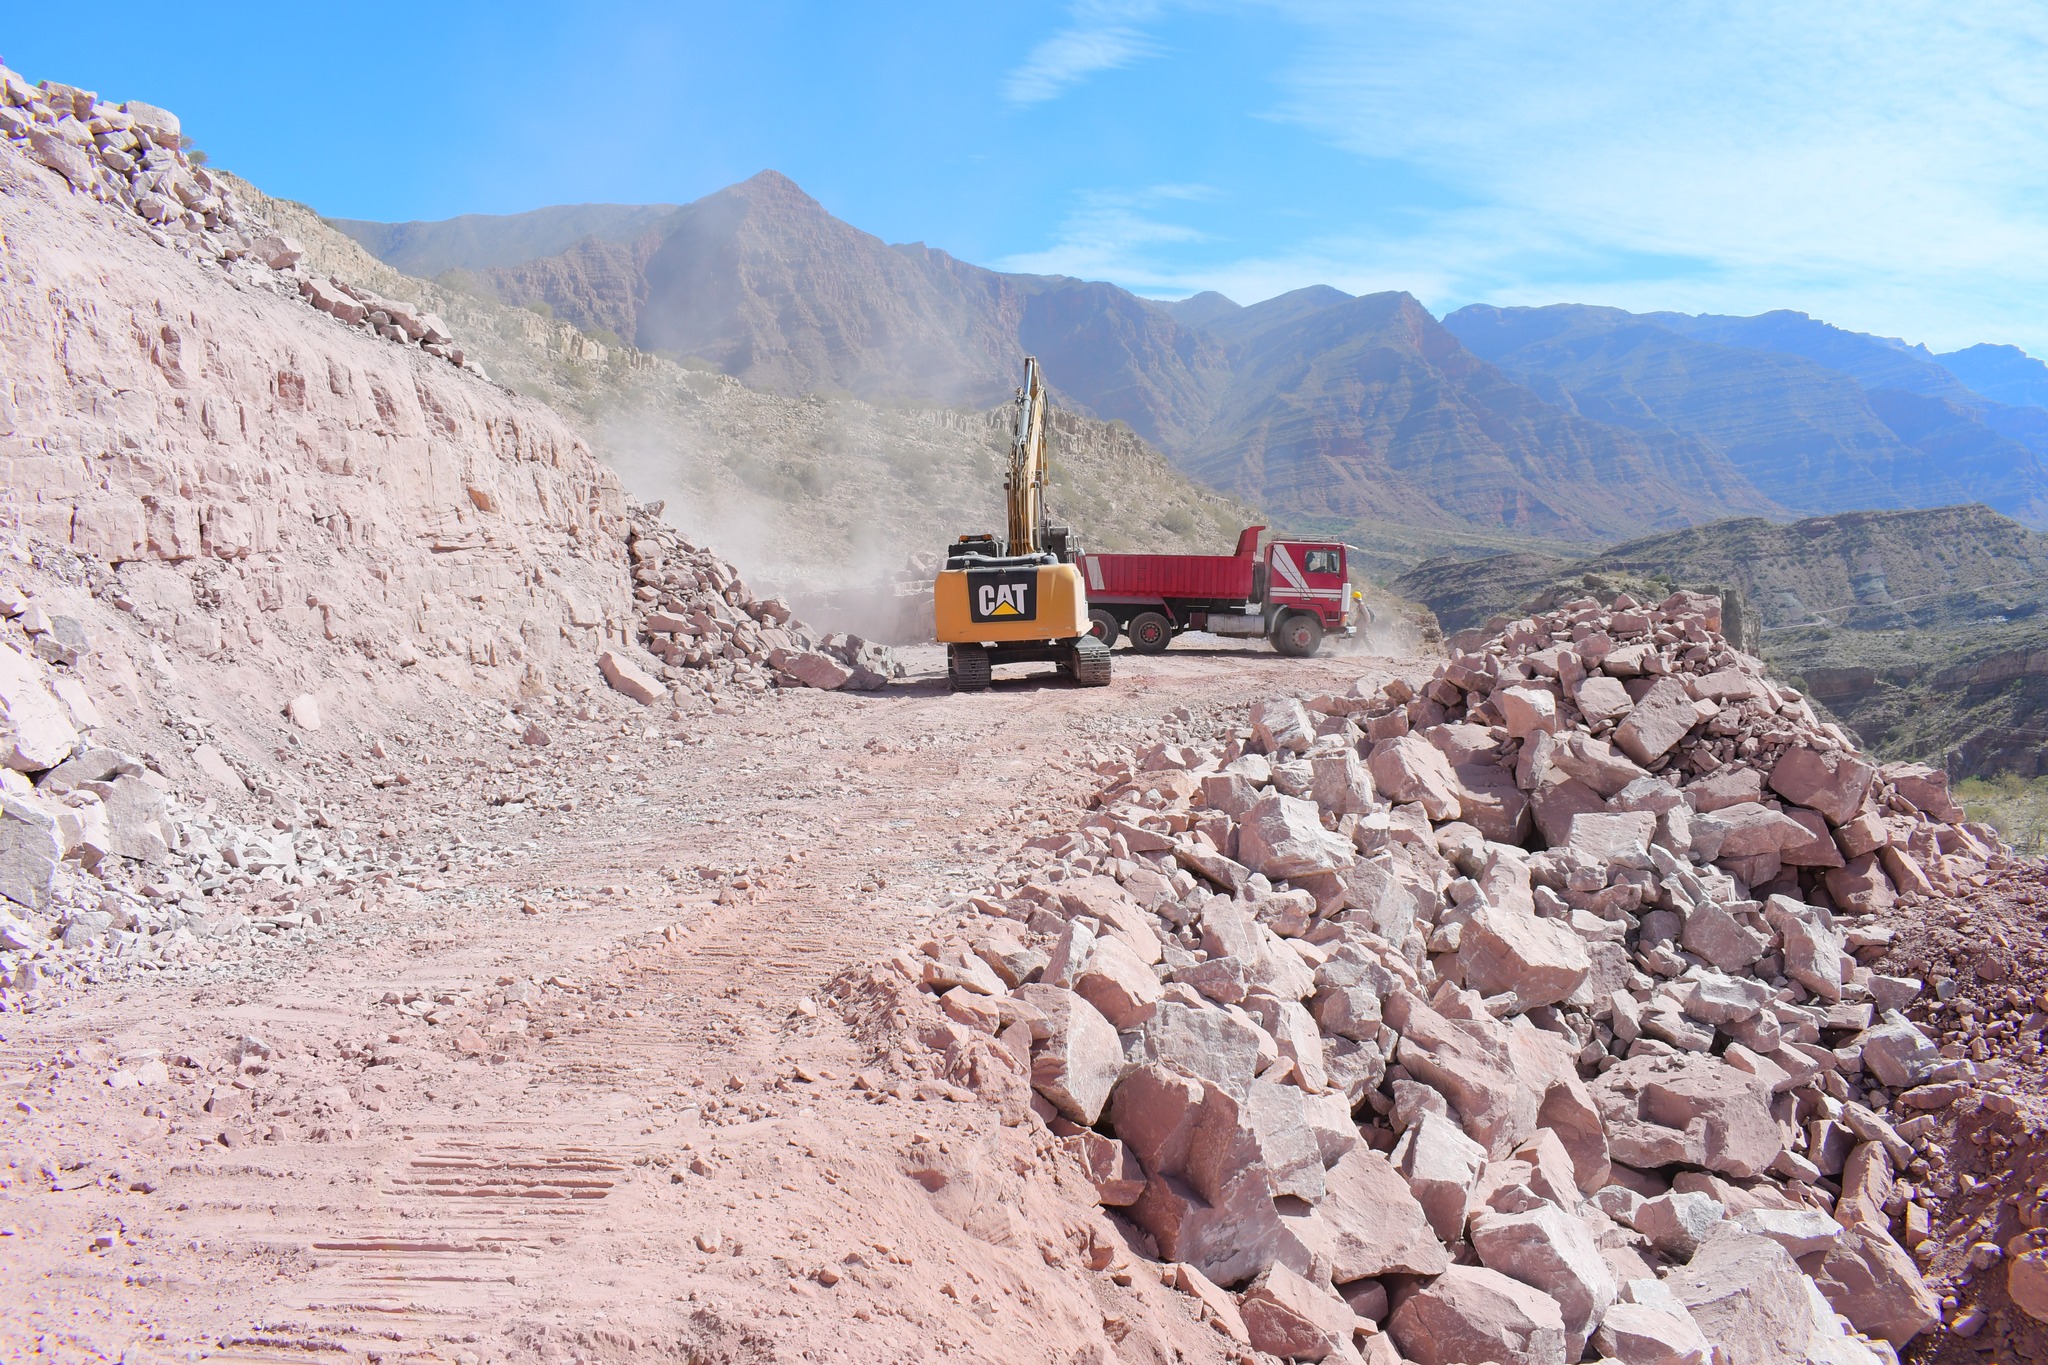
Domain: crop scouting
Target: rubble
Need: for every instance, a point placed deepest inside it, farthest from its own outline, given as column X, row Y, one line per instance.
column 1577, row 939
column 702, row 628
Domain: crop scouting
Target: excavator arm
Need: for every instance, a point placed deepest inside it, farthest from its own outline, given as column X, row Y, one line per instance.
column 1025, row 485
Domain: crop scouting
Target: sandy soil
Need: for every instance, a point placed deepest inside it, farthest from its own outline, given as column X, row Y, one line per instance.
column 584, row 1095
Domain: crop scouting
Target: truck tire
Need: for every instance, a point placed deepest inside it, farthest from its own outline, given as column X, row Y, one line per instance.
column 967, row 668
column 1090, row 665
column 1106, row 627
column 1298, row 636
column 1150, row 632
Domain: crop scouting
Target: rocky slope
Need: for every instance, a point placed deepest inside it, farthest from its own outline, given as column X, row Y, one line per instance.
column 1918, row 629
column 1544, row 1012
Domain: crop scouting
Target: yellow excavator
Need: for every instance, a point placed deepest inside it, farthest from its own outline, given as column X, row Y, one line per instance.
column 1019, row 599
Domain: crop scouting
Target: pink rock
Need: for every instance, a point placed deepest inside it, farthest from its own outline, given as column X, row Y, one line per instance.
column 1110, row 1166
column 1926, row 788
column 1817, row 849
column 1156, row 1110
column 1832, row 783
column 1410, row 768
column 1556, row 803
column 1343, row 786
column 1692, row 1109
column 1441, row 1166
column 1618, row 839
column 813, row 669
column 1745, row 831
column 2026, row 1280
column 1814, row 955
column 1595, row 763
column 1079, row 1060
column 629, row 678
column 1218, row 1305
column 1750, row 1299
column 1553, row 1251
column 1474, row 1065
column 1539, row 961
column 1283, row 836
column 1119, row 984
column 1471, row 1314
column 1527, row 710
column 1491, row 803
column 1602, row 698
column 1282, row 724
column 1861, row 887
column 1376, row 1225
column 1730, row 786
column 1662, row 716
column 1644, row 1334
column 1290, row 1317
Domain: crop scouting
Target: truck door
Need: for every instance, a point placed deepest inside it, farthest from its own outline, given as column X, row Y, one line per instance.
column 1310, row 576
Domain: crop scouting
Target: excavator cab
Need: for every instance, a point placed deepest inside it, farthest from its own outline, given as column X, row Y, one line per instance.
column 1019, row 598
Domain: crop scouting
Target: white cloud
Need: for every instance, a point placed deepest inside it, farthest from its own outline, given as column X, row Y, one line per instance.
column 1102, row 37
column 1109, row 236
column 1885, row 167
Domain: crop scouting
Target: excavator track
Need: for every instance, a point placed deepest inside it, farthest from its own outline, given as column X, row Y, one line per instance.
column 1091, row 662
column 967, row 668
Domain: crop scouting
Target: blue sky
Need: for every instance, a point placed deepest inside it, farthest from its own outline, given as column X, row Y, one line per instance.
column 1881, row 166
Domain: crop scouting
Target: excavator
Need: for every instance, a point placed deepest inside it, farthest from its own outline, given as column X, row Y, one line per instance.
column 1020, row 598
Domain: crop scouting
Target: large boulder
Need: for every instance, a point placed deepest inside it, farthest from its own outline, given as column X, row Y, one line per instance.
column 1076, row 1059
column 1470, row 1313
column 1441, row 1165
column 1409, row 768
column 1752, row 1301
column 1832, row 783
column 1538, row 961
column 1214, row 1044
column 1873, row 1283
column 1376, row 1225
column 1283, row 836
column 34, row 732
column 30, row 848
column 1553, row 1251
column 1691, row 1109
column 1282, row 725
column 1291, row 1317
column 1660, row 718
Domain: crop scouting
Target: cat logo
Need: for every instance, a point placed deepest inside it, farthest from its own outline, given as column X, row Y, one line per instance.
column 1003, row 595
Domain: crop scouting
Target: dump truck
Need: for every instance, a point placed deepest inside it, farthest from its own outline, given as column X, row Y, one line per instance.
column 1018, row 598
column 1297, row 594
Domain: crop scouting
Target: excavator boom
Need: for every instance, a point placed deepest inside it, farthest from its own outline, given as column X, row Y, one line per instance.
column 1026, row 482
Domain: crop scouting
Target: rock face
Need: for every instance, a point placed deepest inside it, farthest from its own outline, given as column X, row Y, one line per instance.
column 252, row 436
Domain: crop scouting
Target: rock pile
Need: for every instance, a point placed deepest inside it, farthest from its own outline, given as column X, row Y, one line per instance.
column 102, row 868
column 697, row 616
column 1522, row 1018
column 134, row 155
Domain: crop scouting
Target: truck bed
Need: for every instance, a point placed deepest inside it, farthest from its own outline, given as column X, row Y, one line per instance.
column 1209, row 578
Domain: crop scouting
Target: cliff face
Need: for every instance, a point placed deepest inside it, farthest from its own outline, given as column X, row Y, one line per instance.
column 263, row 476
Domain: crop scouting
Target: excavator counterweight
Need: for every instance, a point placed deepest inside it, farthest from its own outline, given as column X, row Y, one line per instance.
column 1019, row 598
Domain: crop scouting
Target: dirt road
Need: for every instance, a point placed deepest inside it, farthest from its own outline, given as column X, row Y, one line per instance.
column 577, row 1092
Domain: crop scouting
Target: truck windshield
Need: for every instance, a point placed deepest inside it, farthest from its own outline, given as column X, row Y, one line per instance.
column 1320, row 561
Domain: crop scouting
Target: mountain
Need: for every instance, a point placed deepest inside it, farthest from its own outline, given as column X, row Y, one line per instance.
column 1495, row 429
column 1927, row 631
column 1811, row 437
column 1355, row 409
column 2004, row 374
column 479, row 241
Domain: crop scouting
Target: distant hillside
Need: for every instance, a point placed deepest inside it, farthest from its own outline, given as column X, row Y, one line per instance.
column 809, row 491
column 1808, row 433
column 479, row 241
column 1927, row 631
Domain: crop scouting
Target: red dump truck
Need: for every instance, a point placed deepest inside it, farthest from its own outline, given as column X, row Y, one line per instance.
column 1294, row 596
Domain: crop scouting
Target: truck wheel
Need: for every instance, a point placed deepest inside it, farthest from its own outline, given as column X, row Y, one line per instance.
column 1150, row 632
column 967, row 668
column 1104, row 627
column 1298, row 636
